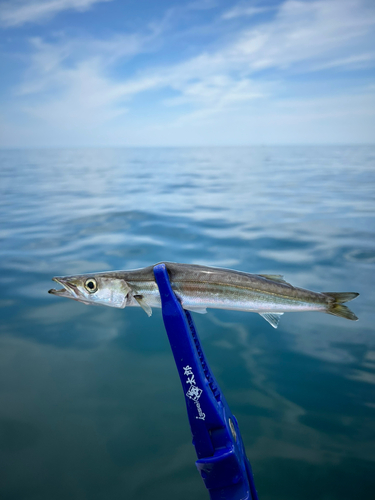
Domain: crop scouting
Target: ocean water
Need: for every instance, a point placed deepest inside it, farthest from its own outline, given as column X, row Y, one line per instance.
column 90, row 401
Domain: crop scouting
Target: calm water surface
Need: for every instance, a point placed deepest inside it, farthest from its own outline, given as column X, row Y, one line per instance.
column 90, row 402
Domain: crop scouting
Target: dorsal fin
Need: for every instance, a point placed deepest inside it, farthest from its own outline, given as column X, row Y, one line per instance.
column 278, row 278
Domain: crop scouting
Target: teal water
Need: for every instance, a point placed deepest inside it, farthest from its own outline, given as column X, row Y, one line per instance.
column 90, row 402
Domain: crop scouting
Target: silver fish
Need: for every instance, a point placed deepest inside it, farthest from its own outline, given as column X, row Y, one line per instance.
column 201, row 287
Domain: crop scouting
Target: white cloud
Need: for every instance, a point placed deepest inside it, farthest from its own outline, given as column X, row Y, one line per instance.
column 216, row 91
column 301, row 32
column 357, row 61
column 301, row 37
column 19, row 12
column 341, row 119
column 244, row 11
column 70, row 85
column 52, row 66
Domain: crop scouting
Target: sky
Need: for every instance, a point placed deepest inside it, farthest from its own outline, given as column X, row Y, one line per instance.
column 186, row 73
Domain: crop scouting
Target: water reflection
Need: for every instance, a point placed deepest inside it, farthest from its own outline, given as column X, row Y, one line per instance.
column 90, row 400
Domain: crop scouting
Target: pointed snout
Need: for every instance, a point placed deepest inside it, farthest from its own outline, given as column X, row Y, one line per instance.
column 68, row 291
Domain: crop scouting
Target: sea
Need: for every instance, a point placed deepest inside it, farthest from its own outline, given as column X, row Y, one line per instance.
column 91, row 405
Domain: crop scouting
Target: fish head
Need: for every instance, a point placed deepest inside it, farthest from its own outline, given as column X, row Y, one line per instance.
column 93, row 289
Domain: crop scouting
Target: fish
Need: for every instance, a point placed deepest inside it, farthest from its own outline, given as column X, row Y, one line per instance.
column 199, row 288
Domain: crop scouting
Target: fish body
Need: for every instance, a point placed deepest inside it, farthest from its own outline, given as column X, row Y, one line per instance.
column 201, row 287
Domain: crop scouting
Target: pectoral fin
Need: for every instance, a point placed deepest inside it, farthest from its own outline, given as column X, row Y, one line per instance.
column 142, row 302
column 272, row 318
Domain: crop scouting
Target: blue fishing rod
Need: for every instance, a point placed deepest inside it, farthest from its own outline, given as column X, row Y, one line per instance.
column 222, row 461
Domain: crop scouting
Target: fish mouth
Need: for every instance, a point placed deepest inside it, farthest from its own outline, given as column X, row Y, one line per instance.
column 69, row 289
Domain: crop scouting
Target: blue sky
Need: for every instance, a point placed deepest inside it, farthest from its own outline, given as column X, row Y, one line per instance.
column 185, row 73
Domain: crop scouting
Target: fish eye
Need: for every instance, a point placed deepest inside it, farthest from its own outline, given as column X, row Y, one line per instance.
column 91, row 285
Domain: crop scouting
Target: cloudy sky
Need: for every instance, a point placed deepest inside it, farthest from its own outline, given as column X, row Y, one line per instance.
column 181, row 73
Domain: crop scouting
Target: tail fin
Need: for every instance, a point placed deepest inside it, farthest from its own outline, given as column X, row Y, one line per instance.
column 337, row 309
